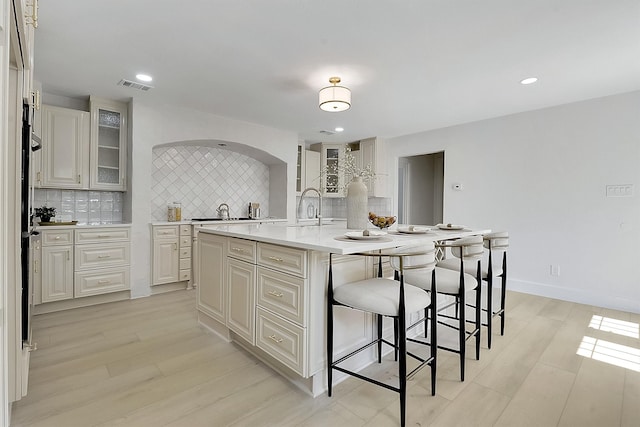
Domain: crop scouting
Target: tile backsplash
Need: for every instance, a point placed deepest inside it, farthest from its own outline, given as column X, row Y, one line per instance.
column 201, row 178
column 336, row 207
column 86, row 207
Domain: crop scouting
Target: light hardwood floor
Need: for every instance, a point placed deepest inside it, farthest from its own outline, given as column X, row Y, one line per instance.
column 146, row 362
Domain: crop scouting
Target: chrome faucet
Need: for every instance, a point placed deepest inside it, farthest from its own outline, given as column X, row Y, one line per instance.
column 306, row 190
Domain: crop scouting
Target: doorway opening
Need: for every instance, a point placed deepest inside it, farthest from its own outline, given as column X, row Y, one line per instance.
column 421, row 189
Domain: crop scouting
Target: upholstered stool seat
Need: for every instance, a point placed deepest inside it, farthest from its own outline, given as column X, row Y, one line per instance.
column 380, row 296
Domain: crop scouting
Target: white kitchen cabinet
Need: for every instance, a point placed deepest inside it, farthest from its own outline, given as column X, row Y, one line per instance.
column 78, row 263
column 331, row 155
column 65, row 148
column 57, row 272
column 300, row 167
column 373, row 152
column 241, row 278
column 102, row 261
column 185, row 255
column 311, row 169
column 171, row 254
column 212, row 259
column 166, row 254
column 108, row 145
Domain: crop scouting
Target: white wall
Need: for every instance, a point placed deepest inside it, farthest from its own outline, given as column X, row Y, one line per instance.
column 541, row 175
column 152, row 125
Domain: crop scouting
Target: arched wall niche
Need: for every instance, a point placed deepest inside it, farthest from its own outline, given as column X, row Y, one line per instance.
column 202, row 174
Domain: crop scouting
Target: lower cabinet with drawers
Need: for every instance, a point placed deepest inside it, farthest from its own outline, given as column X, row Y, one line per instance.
column 82, row 262
column 171, row 254
column 258, row 292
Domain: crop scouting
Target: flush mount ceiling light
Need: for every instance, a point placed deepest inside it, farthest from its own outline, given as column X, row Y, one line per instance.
column 529, row 80
column 334, row 98
column 339, row 129
column 144, row 77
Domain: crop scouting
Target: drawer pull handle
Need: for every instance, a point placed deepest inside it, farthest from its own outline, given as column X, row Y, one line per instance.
column 276, row 259
column 104, row 281
column 276, row 294
column 103, row 235
column 275, row 339
column 35, row 265
column 104, row 256
column 57, row 237
column 238, row 250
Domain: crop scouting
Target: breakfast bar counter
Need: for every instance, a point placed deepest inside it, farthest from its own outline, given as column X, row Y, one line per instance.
column 264, row 287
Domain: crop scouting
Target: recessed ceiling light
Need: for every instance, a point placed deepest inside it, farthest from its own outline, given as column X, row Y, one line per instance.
column 529, row 80
column 144, row 77
column 339, row 129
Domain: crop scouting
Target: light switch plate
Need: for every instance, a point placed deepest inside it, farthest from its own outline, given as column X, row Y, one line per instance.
column 620, row 190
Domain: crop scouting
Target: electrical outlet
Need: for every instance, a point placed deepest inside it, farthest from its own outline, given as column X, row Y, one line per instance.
column 554, row 270
column 620, row 190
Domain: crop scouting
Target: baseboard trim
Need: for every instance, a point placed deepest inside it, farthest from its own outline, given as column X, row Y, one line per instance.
column 580, row 296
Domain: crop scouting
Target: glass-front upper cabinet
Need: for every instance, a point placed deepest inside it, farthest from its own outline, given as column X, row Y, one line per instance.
column 330, row 157
column 108, row 145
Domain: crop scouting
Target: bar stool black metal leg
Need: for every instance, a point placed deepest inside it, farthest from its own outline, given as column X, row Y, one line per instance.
column 503, row 297
column 489, row 300
column 379, row 320
column 330, row 330
column 462, row 325
column 478, row 311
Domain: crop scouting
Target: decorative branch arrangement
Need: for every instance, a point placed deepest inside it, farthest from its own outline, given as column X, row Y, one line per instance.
column 346, row 168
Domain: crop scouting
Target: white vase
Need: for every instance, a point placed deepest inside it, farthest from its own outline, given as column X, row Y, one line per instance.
column 357, row 204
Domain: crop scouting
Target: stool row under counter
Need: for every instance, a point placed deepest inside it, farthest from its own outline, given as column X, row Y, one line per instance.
column 75, row 266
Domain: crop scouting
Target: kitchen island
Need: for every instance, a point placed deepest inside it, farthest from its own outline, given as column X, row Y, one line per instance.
column 263, row 286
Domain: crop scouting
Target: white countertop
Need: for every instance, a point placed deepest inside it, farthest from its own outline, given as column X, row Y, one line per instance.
column 330, row 238
column 226, row 221
column 58, row 227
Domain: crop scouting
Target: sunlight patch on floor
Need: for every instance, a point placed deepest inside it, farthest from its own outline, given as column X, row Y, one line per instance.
column 609, row 352
column 619, row 327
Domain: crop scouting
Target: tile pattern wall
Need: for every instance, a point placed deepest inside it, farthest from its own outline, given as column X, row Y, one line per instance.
column 201, row 178
column 86, row 207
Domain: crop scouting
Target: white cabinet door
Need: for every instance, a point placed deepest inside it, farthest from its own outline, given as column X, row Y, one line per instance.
column 330, row 157
column 211, row 278
column 373, row 153
column 108, row 145
column 311, row 169
column 241, row 278
column 166, row 265
column 57, row 273
column 65, row 148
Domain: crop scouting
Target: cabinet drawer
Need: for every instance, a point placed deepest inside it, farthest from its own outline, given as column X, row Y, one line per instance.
column 105, row 280
column 185, row 275
column 185, row 241
column 282, row 340
column 97, row 235
column 185, row 263
column 166, row 232
column 283, row 294
column 288, row 260
column 185, row 230
column 104, row 255
column 185, row 252
column 58, row 237
column 241, row 249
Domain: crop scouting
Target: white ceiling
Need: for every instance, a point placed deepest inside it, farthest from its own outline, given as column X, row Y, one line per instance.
column 412, row 65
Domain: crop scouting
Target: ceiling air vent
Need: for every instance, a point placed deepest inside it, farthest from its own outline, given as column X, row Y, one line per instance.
column 327, row 132
column 134, row 85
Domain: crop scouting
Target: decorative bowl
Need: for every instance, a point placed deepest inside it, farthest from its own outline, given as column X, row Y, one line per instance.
column 381, row 222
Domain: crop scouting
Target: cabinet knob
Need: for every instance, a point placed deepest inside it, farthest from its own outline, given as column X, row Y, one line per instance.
column 275, row 294
column 275, row 339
